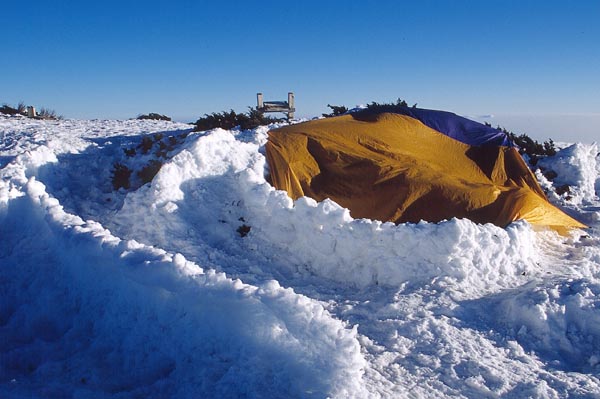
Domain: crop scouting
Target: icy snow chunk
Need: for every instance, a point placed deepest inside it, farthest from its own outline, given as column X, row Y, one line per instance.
column 575, row 166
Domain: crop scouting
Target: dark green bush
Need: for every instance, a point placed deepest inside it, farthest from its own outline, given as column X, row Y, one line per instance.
column 20, row 109
column 8, row 110
column 532, row 148
column 224, row 120
column 388, row 107
column 564, row 190
column 254, row 118
column 129, row 152
column 45, row 113
column 243, row 230
column 146, row 144
column 154, row 116
column 229, row 120
column 336, row 110
column 158, row 141
column 149, row 171
column 550, row 174
column 120, row 176
column 158, row 145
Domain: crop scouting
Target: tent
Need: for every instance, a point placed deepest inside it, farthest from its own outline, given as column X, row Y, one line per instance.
column 410, row 165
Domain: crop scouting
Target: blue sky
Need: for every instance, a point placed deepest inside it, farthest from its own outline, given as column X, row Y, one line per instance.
column 118, row 59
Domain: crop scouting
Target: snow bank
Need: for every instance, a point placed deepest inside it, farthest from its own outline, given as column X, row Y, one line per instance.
column 85, row 314
column 323, row 239
column 577, row 167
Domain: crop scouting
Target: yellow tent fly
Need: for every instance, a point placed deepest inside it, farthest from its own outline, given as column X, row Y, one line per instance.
column 392, row 167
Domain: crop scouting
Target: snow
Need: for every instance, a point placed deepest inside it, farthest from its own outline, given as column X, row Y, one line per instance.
column 208, row 282
column 577, row 166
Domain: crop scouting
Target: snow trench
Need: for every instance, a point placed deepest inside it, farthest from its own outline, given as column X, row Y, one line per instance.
column 85, row 313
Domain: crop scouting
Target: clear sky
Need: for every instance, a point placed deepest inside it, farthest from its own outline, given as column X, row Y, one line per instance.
column 117, row 59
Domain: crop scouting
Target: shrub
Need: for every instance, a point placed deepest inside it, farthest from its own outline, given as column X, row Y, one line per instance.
column 243, row 230
column 129, row 152
column 154, row 116
column 229, row 120
column 45, row 113
column 147, row 173
column 20, row 109
column 146, row 144
column 224, row 120
column 549, row 148
column 388, row 107
column 531, row 147
column 8, row 110
column 255, row 118
column 159, row 145
column 163, row 144
column 550, row 174
column 162, row 151
column 120, row 178
column 337, row 110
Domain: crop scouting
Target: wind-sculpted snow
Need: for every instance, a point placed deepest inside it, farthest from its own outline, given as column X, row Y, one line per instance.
column 207, row 282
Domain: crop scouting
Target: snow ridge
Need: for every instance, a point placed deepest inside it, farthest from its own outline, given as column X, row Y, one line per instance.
column 125, row 297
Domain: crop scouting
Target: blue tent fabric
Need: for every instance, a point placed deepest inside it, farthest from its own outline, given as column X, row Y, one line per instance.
column 462, row 129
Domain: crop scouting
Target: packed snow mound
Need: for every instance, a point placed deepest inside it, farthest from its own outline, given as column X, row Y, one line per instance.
column 208, row 282
column 577, row 167
column 323, row 239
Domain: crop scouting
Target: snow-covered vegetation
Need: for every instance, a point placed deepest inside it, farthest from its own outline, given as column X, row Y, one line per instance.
column 199, row 279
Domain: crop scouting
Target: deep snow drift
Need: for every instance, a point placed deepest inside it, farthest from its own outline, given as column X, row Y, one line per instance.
column 207, row 282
